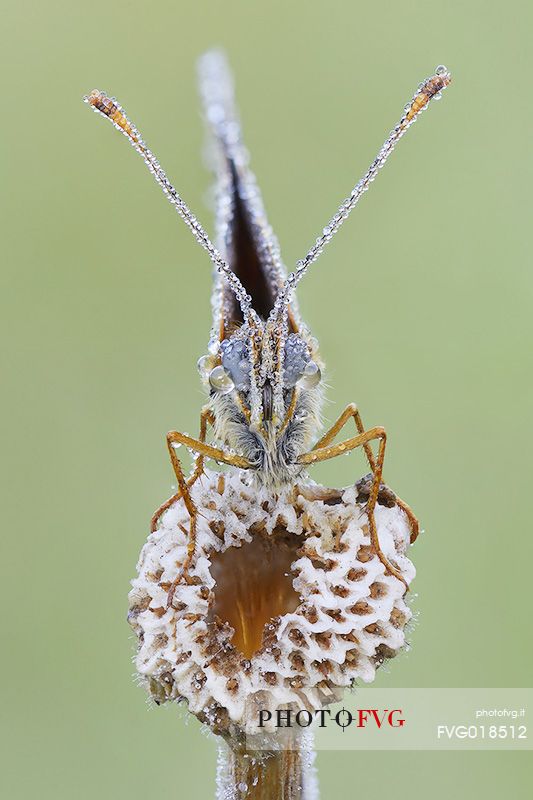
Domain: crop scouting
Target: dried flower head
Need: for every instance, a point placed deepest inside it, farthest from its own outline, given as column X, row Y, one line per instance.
column 286, row 603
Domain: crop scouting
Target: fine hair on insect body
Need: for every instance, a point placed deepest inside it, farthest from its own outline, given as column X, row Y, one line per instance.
column 263, row 370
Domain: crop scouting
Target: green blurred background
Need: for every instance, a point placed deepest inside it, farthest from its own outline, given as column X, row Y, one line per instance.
column 422, row 305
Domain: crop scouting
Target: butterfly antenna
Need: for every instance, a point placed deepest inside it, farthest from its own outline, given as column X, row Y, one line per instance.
column 108, row 107
column 430, row 89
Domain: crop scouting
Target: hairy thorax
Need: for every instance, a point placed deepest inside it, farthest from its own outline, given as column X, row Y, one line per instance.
column 272, row 449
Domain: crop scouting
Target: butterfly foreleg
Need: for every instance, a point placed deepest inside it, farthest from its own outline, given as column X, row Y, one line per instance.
column 325, row 452
column 206, row 418
column 351, row 411
column 176, row 439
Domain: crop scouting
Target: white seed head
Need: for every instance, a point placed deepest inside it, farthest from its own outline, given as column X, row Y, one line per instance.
column 337, row 615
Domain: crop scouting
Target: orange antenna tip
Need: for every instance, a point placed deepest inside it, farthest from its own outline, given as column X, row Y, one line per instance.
column 428, row 90
column 110, row 108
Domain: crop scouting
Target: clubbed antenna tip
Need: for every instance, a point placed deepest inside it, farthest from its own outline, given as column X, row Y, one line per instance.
column 430, row 89
column 108, row 106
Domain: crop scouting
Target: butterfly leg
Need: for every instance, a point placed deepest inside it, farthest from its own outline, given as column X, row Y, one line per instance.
column 206, row 417
column 326, row 452
column 351, row 411
column 175, row 439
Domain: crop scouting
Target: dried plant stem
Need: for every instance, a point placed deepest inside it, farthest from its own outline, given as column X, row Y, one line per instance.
column 287, row 774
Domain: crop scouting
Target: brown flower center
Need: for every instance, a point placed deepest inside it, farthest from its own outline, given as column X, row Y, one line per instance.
column 254, row 585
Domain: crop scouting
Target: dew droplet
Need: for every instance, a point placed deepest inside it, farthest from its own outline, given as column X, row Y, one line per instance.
column 204, row 364
column 441, row 70
column 220, row 380
column 311, row 375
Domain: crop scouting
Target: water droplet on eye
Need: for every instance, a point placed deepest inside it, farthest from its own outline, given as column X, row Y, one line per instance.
column 204, row 364
column 310, row 376
column 220, row 380
column 441, row 70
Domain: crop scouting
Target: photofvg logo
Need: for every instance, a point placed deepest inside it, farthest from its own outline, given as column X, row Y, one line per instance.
column 360, row 718
column 396, row 719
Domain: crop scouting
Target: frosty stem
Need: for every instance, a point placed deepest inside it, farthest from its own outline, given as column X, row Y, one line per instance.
column 287, row 774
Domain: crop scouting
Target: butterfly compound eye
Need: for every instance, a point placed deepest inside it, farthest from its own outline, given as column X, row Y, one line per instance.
column 236, row 361
column 300, row 369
